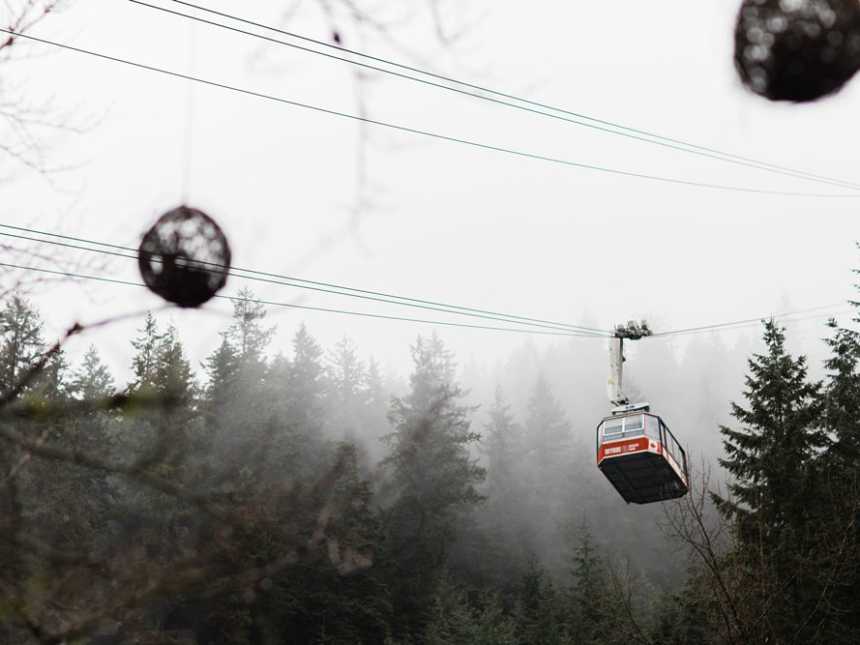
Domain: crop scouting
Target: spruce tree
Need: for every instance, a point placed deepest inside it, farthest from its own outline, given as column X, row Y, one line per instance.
column 433, row 477
column 145, row 361
column 306, row 388
column 88, row 491
column 92, row 380
column 549, row 435
column 429, row 457
column 549, row 465
column 503, row 520
column 501, row 442
column 221, row 368
column 772, row 460
column 842, row 397
column 540, row 609
column 241, row 407
column 456, row 618
column 375, row 414
column 347, row 397
column 172, row 374
column 771, row 454
column 247, row 333
column 839, row 541
column 593, row 609
column 21, row 342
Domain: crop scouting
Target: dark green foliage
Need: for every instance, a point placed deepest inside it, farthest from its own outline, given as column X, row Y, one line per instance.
column 222, row 370
column 145, row 362
column 92, row 380
column 456, row 618
column 771, row 454
column 541, row 609
column 684, row 617
column 593, row 609
column 21, row 343
column 777, row 503
column 457, row 537
column 433, row 479
column 839, row 486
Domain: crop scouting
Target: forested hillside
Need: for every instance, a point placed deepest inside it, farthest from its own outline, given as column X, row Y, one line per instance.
column 288, row 495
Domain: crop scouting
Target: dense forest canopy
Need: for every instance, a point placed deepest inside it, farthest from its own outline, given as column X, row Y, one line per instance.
column 277, row 495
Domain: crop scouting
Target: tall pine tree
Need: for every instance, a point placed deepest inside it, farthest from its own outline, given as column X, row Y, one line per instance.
column 772, row 459
column 21, row 342
column 433, row 478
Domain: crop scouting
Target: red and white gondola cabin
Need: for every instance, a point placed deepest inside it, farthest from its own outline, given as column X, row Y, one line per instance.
column 640, row 456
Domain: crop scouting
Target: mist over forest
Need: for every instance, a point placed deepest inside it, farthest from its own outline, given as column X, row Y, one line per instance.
column 451, row 506
column 239, row 407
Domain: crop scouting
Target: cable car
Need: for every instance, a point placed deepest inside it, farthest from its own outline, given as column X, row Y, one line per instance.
column 640, row 456
column 635, row 450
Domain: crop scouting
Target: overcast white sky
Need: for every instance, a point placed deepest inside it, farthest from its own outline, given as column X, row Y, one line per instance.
column 455, row 224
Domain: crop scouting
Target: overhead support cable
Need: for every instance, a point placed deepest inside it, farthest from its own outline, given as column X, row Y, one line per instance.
column 490, row 95
column 810, row 313
column 289, row 305
column 328, row 288
column 788, row 316
column 430, row 134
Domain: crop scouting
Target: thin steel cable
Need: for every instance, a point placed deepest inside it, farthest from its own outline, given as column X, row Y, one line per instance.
column 563, row 114
column 584, row 331
column 129, row 253
column 432, row 135
column 331, row 285
column 346, row 312
column 716, row 328
column 737, row 324
column 782, row 321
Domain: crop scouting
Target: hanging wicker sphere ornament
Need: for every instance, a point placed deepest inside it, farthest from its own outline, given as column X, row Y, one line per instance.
column 184, row 257
column 797, row 50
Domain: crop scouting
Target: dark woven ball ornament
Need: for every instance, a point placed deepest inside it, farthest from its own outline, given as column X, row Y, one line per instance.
column 797, row 50
column 184, row 257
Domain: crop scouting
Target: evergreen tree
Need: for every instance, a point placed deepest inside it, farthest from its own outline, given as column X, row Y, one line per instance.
column 375, row 411
column 455, row 619
column 243, row 408
column 549, row 464
column 21, row 343
column 540, row 611
column 840, row 489
column 51, row 383
column 172, row 374
column 771, row 458
column 688, row 616
column 221, row 368
column 247, row 335
column 842, row 397
column 432, row 476
column 502, row 444
column 594, row 613
column 347, row 394
column 306, row 388
column 88, row 491
column 549, row 435
column 145, row 361
column 504, row 528
column 92, row 381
